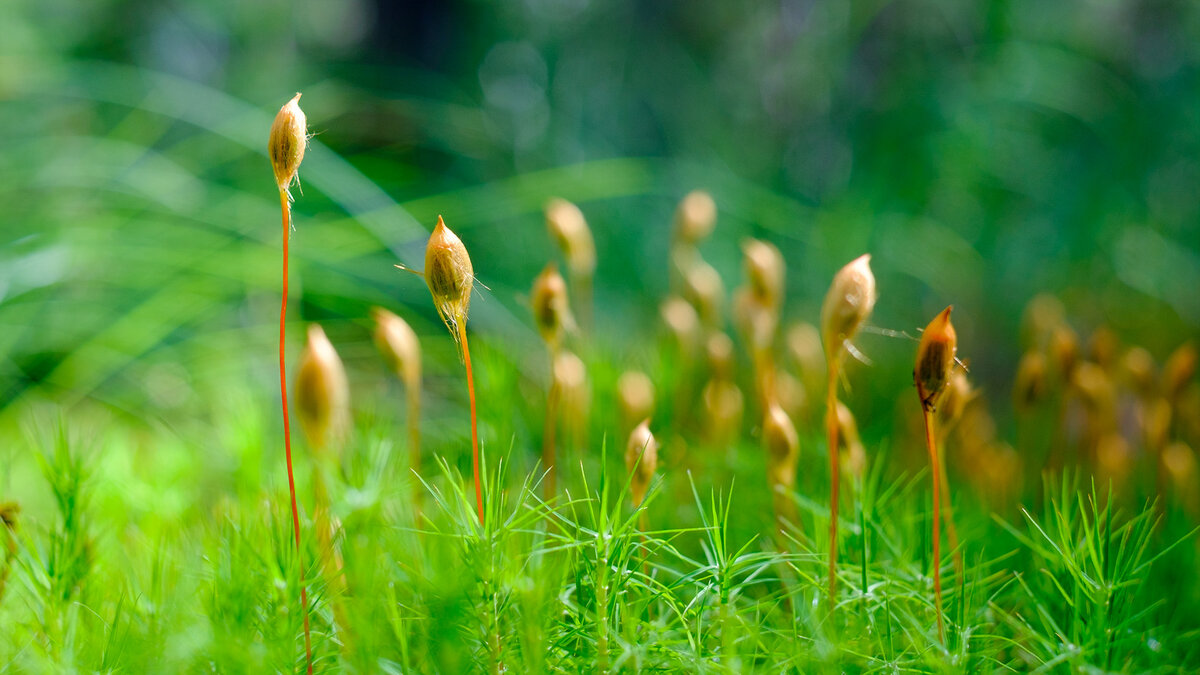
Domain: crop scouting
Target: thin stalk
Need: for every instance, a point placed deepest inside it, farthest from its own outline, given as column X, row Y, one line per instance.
column 462, row 337
column 413, row 392
column 583, row 300
column 548, row 431
column 831, row 432
column 331, row 562
column 287, row 433
column 862, row 526
column 937, row 549
column 951, row 530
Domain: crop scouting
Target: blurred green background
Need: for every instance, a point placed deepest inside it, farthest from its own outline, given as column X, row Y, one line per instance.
column 982, row 152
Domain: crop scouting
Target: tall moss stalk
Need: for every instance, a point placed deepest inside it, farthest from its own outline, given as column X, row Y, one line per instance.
column 450, row 277
column 935, row 362
column 286, row 145
column 847, row 305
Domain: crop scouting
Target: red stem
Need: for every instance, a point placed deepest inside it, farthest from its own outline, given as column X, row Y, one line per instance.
column 462, row 335
column 287, row 434
column 831, row 432
column 937, row 546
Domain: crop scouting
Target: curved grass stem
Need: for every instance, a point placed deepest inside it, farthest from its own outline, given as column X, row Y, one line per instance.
column 287, row 433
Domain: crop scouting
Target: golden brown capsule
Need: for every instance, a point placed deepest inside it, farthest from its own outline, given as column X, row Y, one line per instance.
column 954, row 400
column 1103, row 347
column 935, row 359
column 399, row 346
column 450, row 277
column 804, row 346
column 703, row 288
column 1138, row 372
column 322, row 391
column 682, row 322
column 724, row 405
column 570, row 230
column 695, row 217
column 1179, row 369
column 765, row 271
column 719, row 351
column 848, row 303
column 551, row 310
column 570, row 376
column 287, row 142
column 783, row 447
column 641, row 460
column 635, row 397
column 1029, row 386
column 1042, row 315
column 1064, row 351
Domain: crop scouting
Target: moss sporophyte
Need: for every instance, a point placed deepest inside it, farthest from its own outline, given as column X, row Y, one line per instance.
column 285, row 147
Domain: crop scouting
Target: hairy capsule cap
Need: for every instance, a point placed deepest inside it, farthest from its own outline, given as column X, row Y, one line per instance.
column 449, row 274
column 288, row 140
column 935, row 358
column 635, row 397
column 848, row 303
column 570, row 230
column 399, row 346
column 551, row 311
column 641, row 460
column 695, row 217
column 1030, row 385
column 782, row 444
column 322, row 391
column 765, row 271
